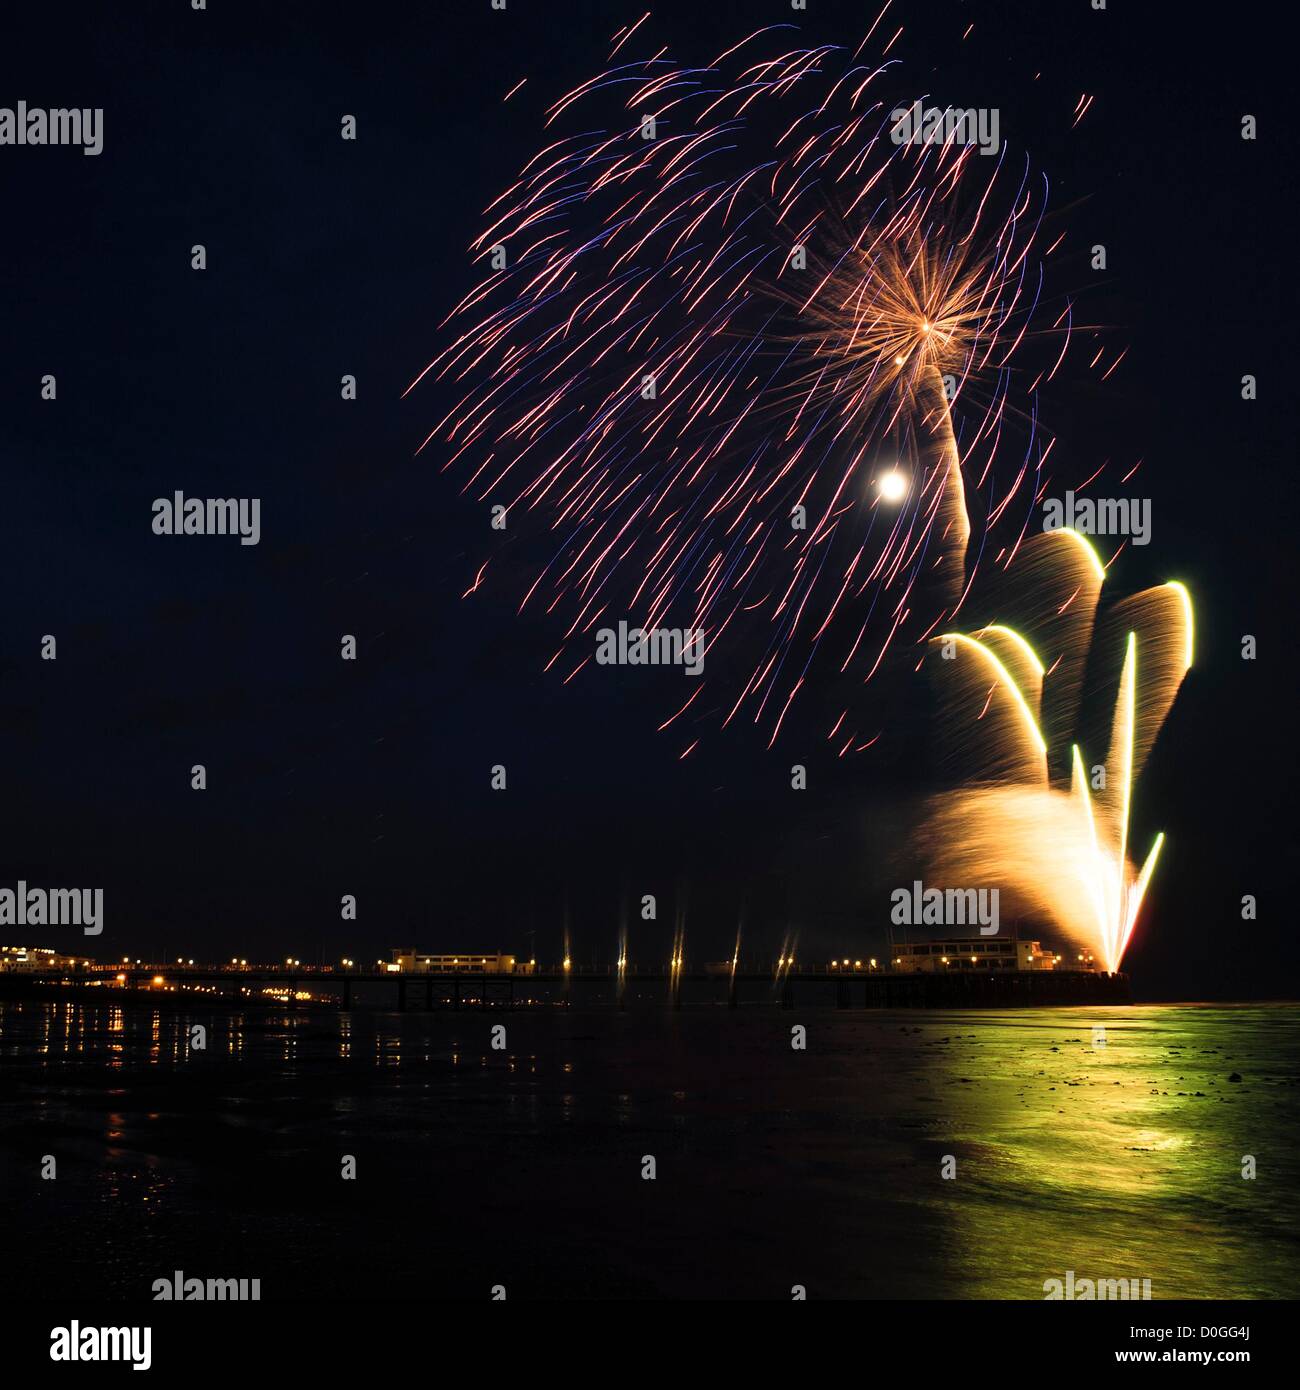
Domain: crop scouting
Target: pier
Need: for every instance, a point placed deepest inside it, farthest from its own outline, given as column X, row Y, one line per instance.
column 299, row 986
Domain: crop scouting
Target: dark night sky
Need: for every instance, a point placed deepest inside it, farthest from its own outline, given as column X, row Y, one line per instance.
column 328, row 257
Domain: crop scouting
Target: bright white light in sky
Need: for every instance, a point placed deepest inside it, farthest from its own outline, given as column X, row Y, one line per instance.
column 892, row 486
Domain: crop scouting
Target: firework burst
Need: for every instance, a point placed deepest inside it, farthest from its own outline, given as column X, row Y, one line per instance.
column 1055, row 832
column 748, row 362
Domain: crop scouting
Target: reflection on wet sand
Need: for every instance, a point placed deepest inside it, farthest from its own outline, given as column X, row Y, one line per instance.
column 1109, row 1143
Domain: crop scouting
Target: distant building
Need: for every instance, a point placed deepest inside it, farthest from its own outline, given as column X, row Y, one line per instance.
column 34, row 958
column 410, row 961
column 954, row 953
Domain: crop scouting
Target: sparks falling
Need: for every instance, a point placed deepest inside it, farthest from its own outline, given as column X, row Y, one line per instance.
column 754, row 367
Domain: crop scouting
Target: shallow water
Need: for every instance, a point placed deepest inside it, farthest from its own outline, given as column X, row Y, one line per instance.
column 774, row 1166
